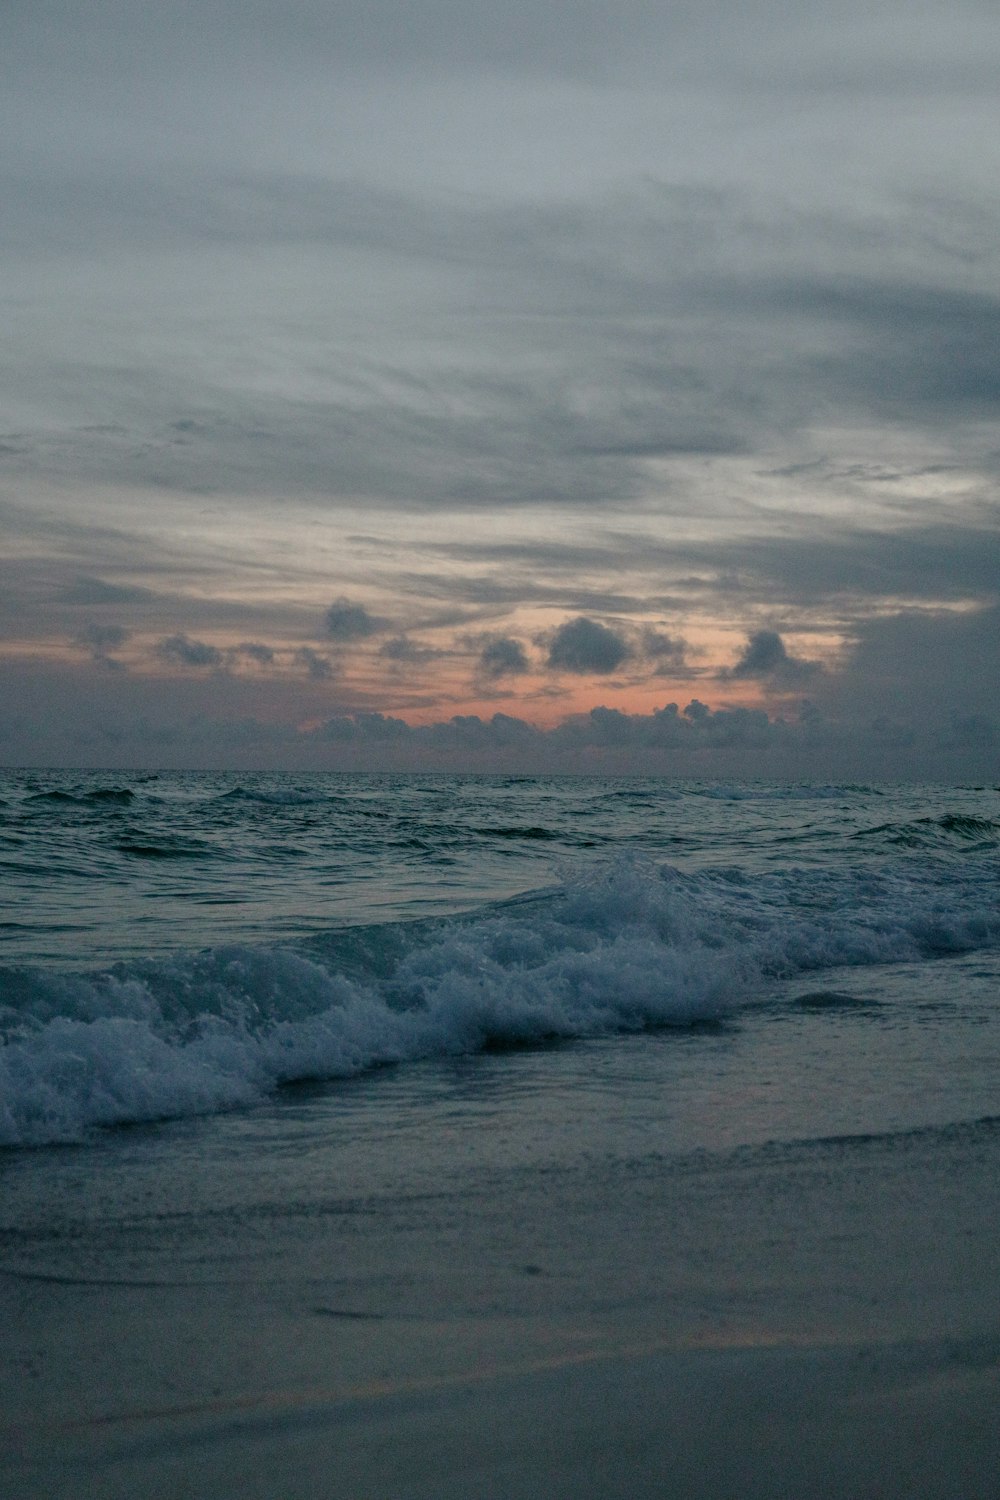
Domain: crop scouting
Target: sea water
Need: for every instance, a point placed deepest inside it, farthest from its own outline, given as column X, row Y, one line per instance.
column 182, row 945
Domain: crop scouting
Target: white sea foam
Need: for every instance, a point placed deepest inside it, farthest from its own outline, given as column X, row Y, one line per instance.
column 635, row 947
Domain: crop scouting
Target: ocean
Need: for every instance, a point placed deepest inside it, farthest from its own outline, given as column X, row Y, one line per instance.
column 337, row 1111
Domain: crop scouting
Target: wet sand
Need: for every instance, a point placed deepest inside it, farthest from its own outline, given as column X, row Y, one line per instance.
column 435, row 1300
column 201, row 1400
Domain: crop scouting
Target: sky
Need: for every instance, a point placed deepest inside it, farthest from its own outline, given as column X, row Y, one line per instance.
column 443, row 384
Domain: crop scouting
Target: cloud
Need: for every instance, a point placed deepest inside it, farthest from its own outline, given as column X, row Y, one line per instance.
column 93, row 591
column 814, row 561
column 697, row 727
column 503, row 656
column 317, row 666
column 185, row 652
column 662, row 294
column 668, row 651
column 766, row 657
column 764, row 653
column 860, row 727
column 401, row 649
column 350, row 622
column 569, row 342
column 974, row 731
column 935, row 561
column 929, row 669
column 367, row 728
column 102, row 637
column 630, row 739
column 583, row 645
column 100, row 640
column 255, row 651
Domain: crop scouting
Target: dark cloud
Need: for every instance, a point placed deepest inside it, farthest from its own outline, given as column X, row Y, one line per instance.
column 909, row 347
column 372, row 728
column 94, row 591
column 350, row 622
column 668, row 651
column 671, row 731
column 317, row 666
column 400, row 648
column 765, row 657
column 670, row 728
column 502, row 657
column 185, row 652
column 255, row 651
column 764, row 653
column 584, row 645
column 892, row 735
column 826, row 562
column 100, row 640
column 929, row 669
column 940, row 561
column 75, row 716
column 665, row 297
column 973, row 731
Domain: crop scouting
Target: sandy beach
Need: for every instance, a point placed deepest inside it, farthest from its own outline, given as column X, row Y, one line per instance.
column 804, row 1319
column 915, row 1419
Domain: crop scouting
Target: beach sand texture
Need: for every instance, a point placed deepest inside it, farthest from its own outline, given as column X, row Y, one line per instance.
column 786, row 1319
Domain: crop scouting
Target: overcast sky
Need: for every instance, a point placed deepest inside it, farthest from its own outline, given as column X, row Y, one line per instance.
column 445, row 383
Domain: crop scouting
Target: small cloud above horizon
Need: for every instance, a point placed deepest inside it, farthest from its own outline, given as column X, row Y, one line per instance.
column 101, row 640
column 765, row 657
column 346, row 621
column 401, row 649
column 317, row 666
column 503, row 656
column 585, row 646
column 182, row 651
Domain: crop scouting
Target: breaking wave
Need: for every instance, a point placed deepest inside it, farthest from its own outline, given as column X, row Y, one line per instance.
column 637, row 946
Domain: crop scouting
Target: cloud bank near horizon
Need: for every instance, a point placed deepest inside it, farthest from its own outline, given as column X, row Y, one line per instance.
column 866, row 720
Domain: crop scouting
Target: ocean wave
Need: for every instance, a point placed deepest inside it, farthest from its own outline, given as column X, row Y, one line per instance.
column 534, row 832
column 114, row 796
column 786, row 793
column 633, row 947
column 280, row 796
column 137, row 846
column 947, row 830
